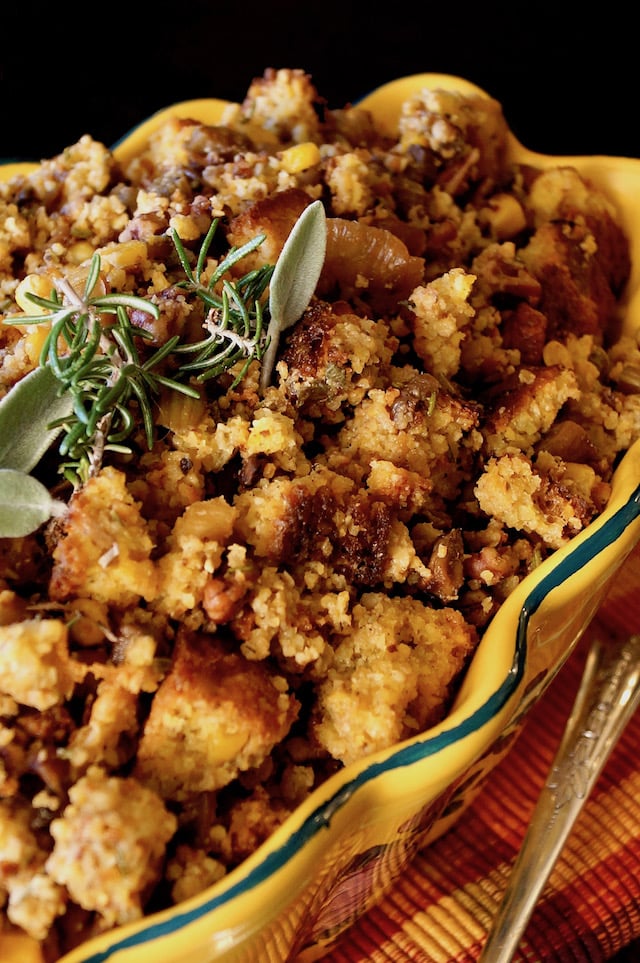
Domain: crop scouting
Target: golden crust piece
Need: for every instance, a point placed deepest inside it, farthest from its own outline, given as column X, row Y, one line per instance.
column 416, row 424
column 215, row 715
column 390, row 676
column 283, row 102
column 105, row 550
column 34, row 899
column 35, row 668
column 440, row 313
column 523, row 498
column 109, row 844
column 331, row 358
column 274, row 217
column 458, row 137
column 577, row 294
column 524, row 408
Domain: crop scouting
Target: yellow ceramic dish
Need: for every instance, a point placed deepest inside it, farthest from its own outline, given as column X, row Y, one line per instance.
column 343, row 848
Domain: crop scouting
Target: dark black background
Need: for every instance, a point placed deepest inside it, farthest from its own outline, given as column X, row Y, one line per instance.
column 567, row 78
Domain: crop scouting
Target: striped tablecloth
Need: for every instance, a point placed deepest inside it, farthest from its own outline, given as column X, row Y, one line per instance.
column 590, row 908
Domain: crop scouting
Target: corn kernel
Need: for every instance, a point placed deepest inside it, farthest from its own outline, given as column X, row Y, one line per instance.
column 159, row 280
column 582, row 476
column 504, row 216
column 211, row 520
column 34, row 334
column 34, row 340
column 125, row 254
column 300, row 157
column 188, row 228
column 80, row 251
column 38, row 284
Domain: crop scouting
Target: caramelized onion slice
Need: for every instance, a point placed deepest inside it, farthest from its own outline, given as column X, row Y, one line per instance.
column 368, row 261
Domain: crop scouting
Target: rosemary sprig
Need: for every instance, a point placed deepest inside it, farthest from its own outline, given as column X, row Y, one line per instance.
column 235, row 317
column 92, row 350
column 96, row 384
column 96, row 360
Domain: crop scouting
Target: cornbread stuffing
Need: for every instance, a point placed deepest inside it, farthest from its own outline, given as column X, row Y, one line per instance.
column 289, row 577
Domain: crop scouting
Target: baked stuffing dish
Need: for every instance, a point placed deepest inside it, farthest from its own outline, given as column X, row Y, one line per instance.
column 291, row 407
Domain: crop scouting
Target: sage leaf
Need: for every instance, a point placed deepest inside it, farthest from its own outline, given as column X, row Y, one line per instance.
column 26, row 412
column 25, row 504
column 294, row 279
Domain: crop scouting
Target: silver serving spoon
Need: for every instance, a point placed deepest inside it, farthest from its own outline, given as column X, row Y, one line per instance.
column 608, row 695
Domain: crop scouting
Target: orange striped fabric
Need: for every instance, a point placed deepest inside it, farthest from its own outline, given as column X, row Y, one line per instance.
column 441, row 909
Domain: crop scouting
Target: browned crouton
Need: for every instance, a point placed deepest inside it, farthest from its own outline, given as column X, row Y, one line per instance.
column 109, row 844
column 105, row 548
column 215, row 715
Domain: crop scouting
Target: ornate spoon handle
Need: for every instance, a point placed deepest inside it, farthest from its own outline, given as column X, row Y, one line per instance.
column 606, row 700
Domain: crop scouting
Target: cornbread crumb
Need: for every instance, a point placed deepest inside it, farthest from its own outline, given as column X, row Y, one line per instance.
column 109, row 844
column 391, row 675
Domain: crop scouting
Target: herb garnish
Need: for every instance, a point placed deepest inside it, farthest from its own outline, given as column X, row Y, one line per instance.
column 294, row 279
column 97, row 362
column 25, row 503
column 235, row 318
column 94, row 386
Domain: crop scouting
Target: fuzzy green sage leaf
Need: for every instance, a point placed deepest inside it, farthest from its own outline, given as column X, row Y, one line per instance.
column 294, row 279
column 26, row 412
column 25, row 504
